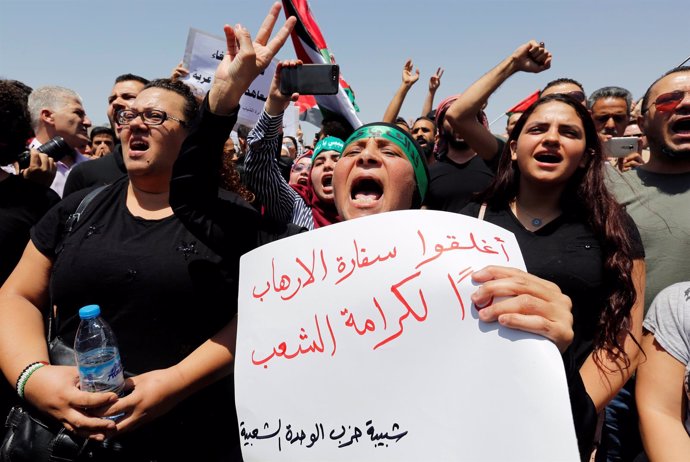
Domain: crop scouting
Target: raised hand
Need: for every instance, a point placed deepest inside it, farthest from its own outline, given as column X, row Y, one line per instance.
column 533, row 304
column 245, row 60
column 278, row 102
column 435, row 80
column 179, row 72
column 409, row 78
column 532, row 57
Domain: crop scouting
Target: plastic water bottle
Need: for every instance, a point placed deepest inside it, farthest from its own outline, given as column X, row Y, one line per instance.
column 97, row 355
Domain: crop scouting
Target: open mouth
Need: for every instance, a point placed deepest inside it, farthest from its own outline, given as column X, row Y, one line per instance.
column 302, row 181
column 681, row 127
column 138, row 145
column 366, row 191
column 548, row 158
column 327, row 181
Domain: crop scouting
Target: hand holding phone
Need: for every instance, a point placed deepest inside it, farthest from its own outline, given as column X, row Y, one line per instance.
column 310, row 79
column 621, row 146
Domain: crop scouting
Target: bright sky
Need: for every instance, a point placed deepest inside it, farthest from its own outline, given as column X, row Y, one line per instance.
column 85, row 44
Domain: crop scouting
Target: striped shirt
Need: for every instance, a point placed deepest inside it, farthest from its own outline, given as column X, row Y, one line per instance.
column 281, row 202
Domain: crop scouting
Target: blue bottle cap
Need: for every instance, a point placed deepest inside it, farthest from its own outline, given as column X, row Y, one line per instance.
column 89, row 311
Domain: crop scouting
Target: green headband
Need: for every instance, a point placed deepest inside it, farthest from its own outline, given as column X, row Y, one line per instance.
column 401, row 140
column 329, row 143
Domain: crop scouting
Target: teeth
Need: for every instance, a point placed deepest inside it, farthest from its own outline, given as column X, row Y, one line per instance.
column 366, row 198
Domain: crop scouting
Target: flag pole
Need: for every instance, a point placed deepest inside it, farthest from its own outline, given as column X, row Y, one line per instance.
column 500, row 117
column 686, row 60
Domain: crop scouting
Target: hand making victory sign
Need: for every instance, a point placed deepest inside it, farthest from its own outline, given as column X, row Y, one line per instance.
column 245, row 60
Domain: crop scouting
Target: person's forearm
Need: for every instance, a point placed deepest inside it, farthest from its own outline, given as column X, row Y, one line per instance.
column 604, row 380
column 262, row 172
column 22, row 338
column 428, row 103
column 396, row 103
column 210, row 362
column 663, row 436
column 471, row 101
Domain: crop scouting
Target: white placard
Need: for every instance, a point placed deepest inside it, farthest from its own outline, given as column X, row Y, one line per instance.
column 359, row 341
column 202, row 55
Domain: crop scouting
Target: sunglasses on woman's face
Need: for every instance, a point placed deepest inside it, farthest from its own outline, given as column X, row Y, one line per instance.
column 667, row 102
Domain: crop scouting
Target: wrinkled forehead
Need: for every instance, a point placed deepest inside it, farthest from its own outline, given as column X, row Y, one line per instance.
column 565, row 87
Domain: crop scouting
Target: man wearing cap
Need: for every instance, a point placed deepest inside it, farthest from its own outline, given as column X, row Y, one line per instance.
column 309, row 206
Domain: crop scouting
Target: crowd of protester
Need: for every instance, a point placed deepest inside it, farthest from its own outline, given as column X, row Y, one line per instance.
column 605, row 239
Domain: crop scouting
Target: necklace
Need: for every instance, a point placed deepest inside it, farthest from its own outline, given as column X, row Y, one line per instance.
column 536, row 221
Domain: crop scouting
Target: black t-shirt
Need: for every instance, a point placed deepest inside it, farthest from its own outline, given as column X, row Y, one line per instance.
column 22, row 204
column 451, row 185
column 96, row 172
column 161, row 289
column 566, row 252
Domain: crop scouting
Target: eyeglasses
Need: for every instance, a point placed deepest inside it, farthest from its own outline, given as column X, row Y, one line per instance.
column 577, row 95
column 667, row 102
column 149, row 116
column 300, row 167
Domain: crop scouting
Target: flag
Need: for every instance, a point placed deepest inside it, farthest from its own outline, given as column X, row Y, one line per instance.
column 523, row 105
column 311, row 48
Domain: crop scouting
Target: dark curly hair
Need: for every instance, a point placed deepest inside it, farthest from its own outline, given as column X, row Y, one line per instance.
column 587, row 198
column 230, row 180
column 15, row 123
column 191, row 106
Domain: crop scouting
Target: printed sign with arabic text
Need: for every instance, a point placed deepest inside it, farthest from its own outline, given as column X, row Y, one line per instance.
column 359, row 341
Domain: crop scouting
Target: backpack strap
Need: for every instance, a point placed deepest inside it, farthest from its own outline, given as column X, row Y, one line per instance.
column 73, row 219
column 482, row 211
column 69, row 225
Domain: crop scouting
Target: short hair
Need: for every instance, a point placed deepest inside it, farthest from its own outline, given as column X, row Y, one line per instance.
column 101, row 131
column 337, row 126
column 645, row 98
column 293, row 139
column 22, row 86
column 610, row 92
column 191, row 106
column 50, row 97
column 15, row 123
column 129, row 77
column 242, row 132
column 401, row 120
column 560, row 81
column 428, row 119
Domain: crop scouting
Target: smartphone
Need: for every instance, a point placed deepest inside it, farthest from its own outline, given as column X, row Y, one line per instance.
column 620, row 146
column 310, row 79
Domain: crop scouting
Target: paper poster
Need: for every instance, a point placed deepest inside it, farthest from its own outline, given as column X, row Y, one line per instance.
column 359, row 341
column 202, row 56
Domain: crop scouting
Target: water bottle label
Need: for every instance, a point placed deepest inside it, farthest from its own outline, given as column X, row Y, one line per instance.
column 101, row 370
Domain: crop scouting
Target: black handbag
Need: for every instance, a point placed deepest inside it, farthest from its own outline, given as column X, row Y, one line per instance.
column 32, row 438
column 46, row 440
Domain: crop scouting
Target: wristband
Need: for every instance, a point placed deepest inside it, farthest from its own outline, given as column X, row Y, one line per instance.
column 26, row 373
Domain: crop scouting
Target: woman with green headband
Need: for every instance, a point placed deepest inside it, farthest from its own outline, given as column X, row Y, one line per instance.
column 382, row 169
column 309, row 206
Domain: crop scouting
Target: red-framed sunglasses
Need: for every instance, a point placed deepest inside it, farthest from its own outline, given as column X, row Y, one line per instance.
column 667, row 102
